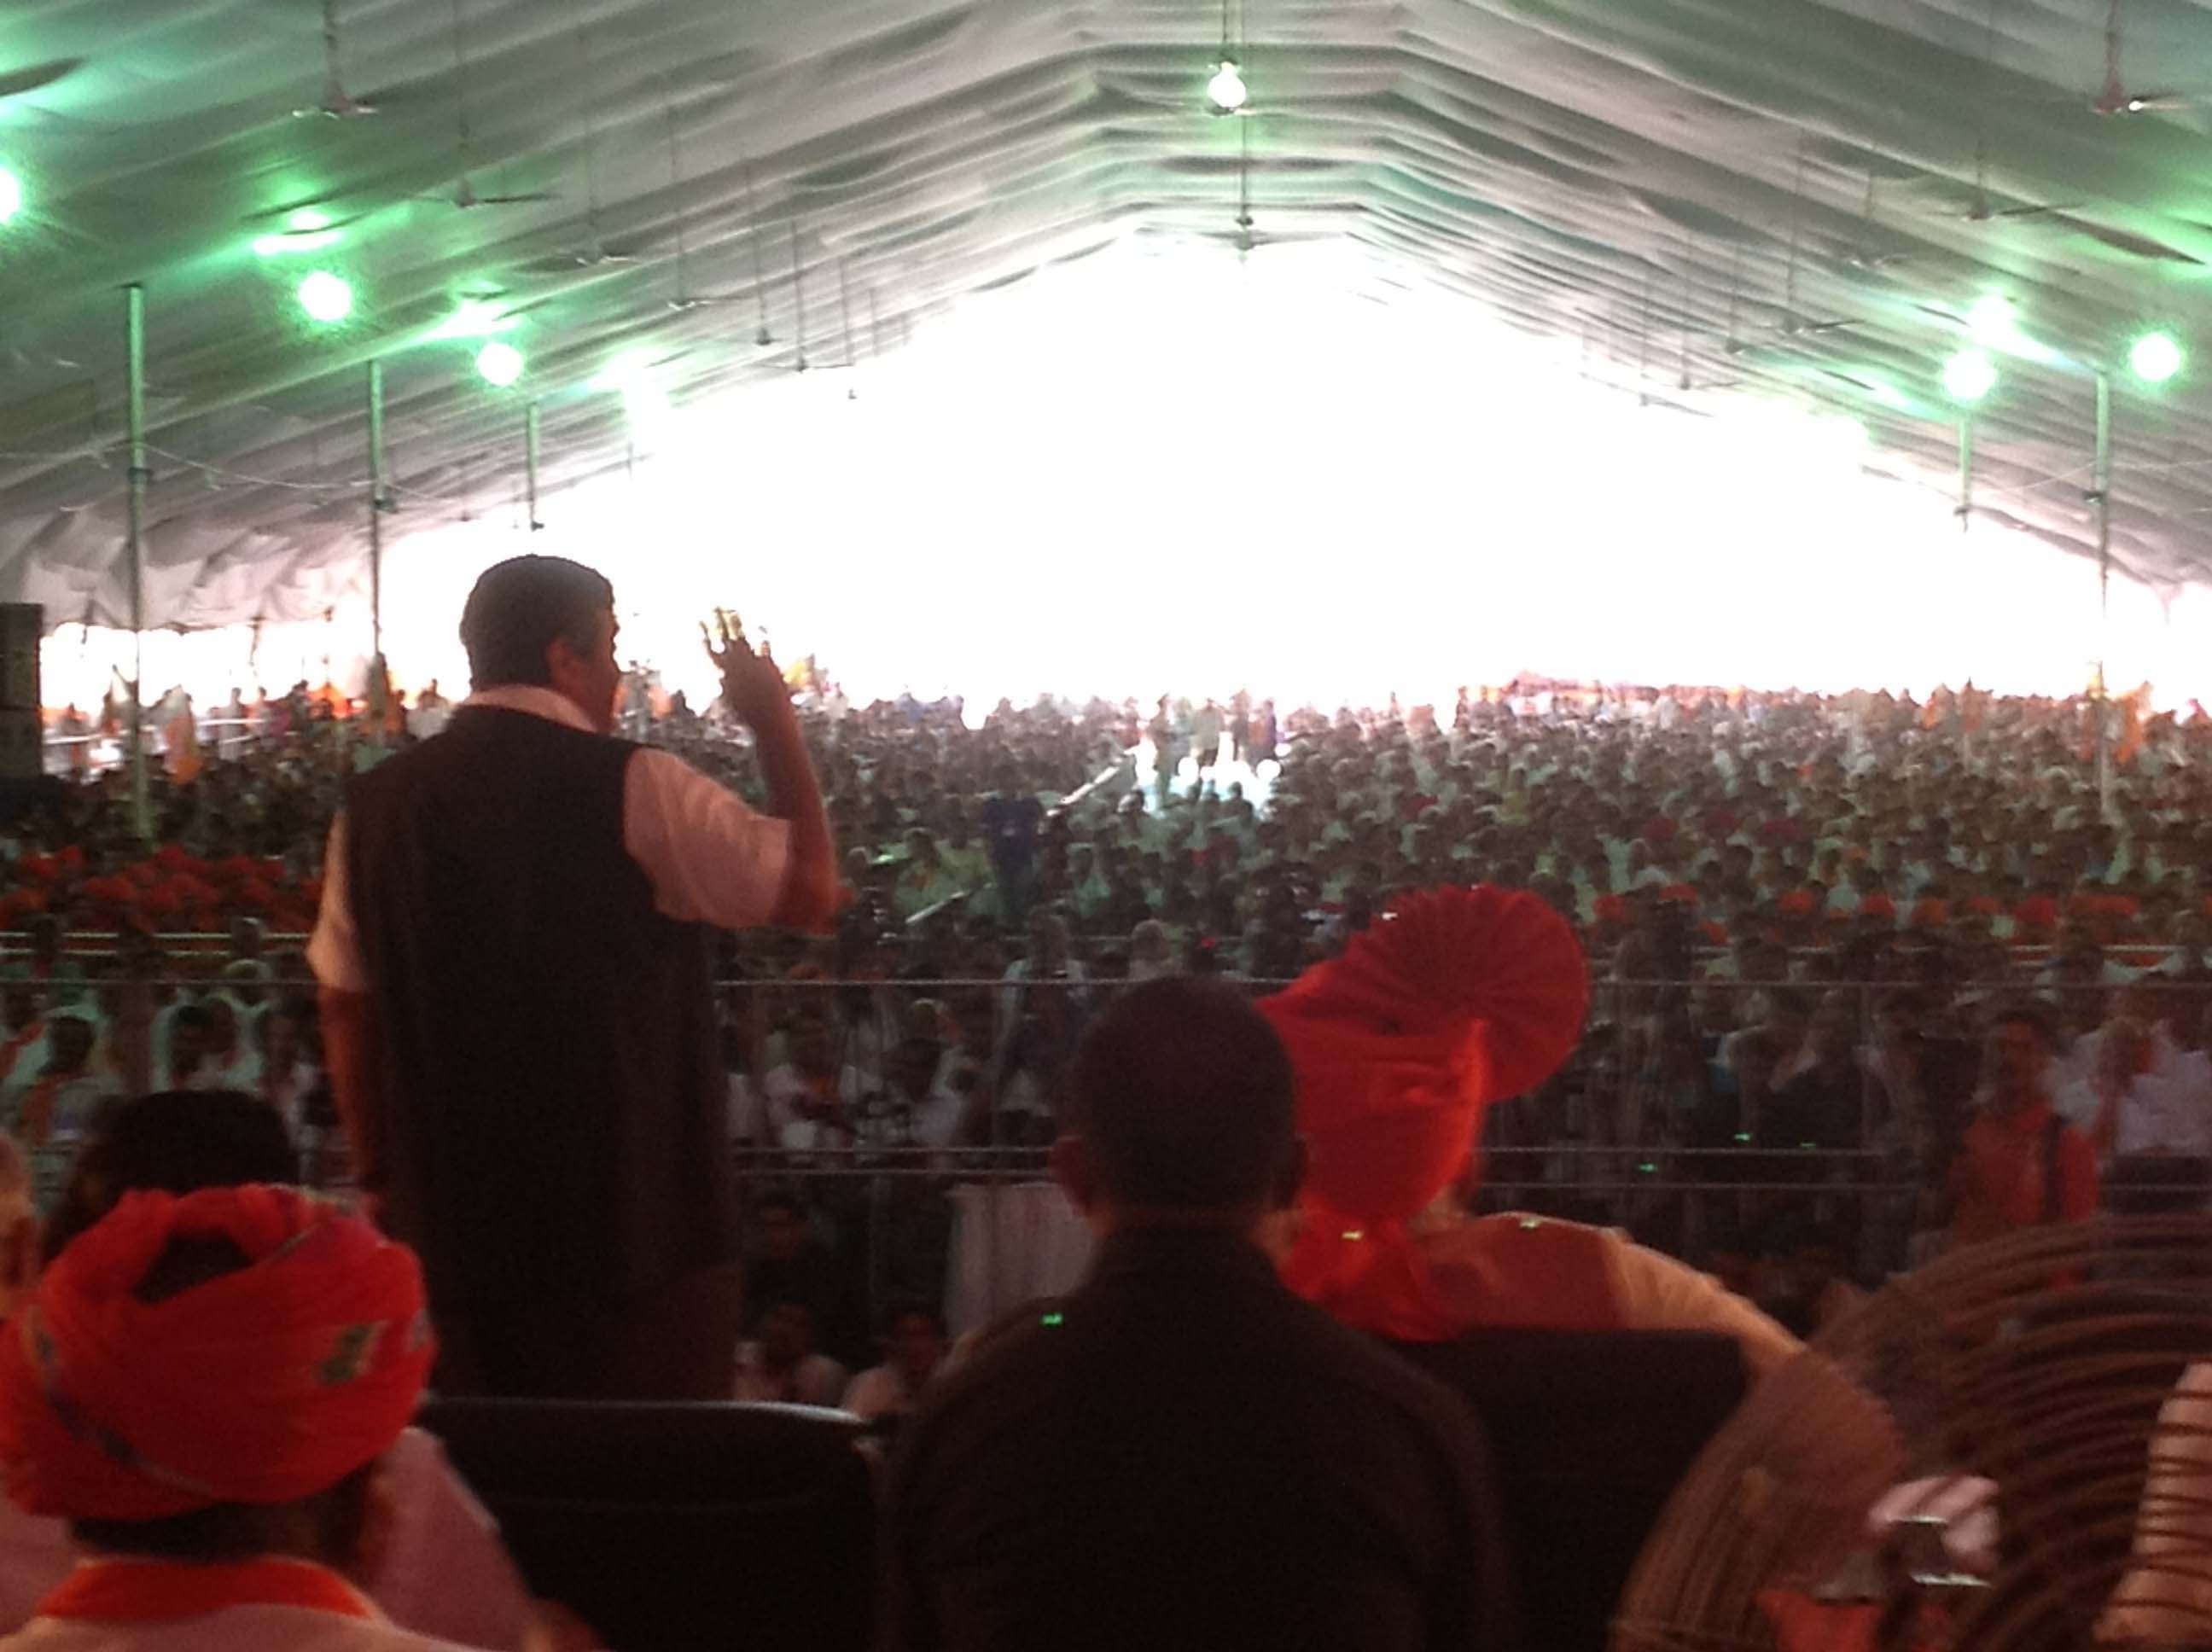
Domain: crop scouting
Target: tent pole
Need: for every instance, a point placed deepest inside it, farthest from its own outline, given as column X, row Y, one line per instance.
column 134, row 329
column 2100, row 498
column 376, row 515
column 529, row 463
column 1965, row 509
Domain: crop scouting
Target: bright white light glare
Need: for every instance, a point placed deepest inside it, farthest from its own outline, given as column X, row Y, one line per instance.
column 1993, row 318
column 305, row 240
column 11, row 194
column 476, row 317
column 626, row 370
column 2155, row 357
column 327, row 297
column 307, row 220
column 500, row 364
column 1680, row 538
column 1969, row 376
column 1226, row 89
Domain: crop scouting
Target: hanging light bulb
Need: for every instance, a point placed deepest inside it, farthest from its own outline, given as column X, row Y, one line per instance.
column 500, row 363
column 2154, row 357
column 11, row 194
column 1969, row 376
column 1227, row 87
column 326, row 297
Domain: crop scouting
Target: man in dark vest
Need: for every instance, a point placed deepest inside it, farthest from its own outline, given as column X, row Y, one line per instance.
column 514, row 955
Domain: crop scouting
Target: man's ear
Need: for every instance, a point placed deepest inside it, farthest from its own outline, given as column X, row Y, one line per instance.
column 1076, row 1171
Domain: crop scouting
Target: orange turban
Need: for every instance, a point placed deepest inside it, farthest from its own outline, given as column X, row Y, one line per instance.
column 264, row 1386
column 1458, row 998
column 1930, row 912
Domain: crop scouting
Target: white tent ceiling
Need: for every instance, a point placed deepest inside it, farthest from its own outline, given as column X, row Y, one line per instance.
column 1688, row 186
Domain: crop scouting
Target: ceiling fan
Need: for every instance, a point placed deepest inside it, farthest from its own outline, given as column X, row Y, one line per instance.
column 595, row 253
column 684, row 299
column 337, row 104
column 465, row 196
column 2113, row 97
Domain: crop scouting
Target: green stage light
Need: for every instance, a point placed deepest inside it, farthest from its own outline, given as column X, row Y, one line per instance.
column 307, row 220
column 327, row 297
column 500, row 364
column 11, row 194
column 2155, row 357
column 1969, row 376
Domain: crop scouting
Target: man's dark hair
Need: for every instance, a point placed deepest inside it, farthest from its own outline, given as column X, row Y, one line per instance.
column 192, row 1015
column 901, row 1309
column 176, row 1141
column 521, row 607
column 2025, row 1012
column 1185, row 1097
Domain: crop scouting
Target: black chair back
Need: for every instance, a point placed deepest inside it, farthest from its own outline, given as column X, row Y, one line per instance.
column 1590, row 1432
column 670, row 1526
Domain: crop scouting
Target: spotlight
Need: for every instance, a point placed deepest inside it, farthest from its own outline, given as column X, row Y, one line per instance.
column 1993, row 319
column 307, row 220
column 2154, row 357
column 327, row 297
column 1969, row 376
column 501, row 364
column 1226, row 89
column 11, row 194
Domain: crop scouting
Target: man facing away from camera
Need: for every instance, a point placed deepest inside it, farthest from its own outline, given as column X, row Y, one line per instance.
column 514, row 952
column 1181, row 1454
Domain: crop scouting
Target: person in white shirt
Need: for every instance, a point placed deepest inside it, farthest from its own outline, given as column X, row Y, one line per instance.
column 55, row 1103
column 914, row 1344
column 813, row 1100
column 783, row 1367
column 2146, row 1106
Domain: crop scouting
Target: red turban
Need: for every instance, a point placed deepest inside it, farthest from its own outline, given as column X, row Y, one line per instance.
column 1797, row 903
column 1930, row 912
column 1877, row 906
column 264, row 1386
column 1720, row 822
column 1611, row 908
column 1659, row 829
column 2037, row 912
column 1682, row 893
column 1458, row 998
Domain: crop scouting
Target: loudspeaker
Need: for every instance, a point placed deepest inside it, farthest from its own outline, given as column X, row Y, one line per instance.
column 22, row 744
column 22, row 626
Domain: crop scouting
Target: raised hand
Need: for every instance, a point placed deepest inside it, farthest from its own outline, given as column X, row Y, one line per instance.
column 752, row 682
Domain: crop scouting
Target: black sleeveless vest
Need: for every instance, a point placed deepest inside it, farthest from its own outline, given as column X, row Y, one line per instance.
column 555, row 1116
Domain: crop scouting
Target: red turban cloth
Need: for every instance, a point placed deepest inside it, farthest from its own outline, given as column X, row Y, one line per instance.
column 1681, row 893
column 1611, row 908
column 1797, row 903
column 1456, row 999
column 1659, row 829
column 1930, row 912
column 2037, row 912
column 262, row 1386
column 1877, row 906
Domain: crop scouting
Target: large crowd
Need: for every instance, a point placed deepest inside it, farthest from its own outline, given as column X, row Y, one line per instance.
column 1795, row 909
